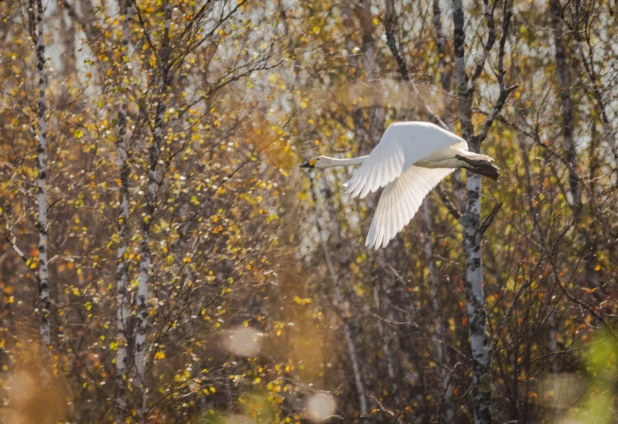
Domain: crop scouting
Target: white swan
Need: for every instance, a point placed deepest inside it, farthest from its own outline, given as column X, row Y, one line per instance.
column 410, row 160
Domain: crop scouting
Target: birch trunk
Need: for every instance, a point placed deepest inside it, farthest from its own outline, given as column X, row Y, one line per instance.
column 470, row 221
column 122, row 307
column 149, row 212
column 475, row 300
column 44, row 294
column 564, row 81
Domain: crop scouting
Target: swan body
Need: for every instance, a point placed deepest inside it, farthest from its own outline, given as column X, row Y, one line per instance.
column 409, row 161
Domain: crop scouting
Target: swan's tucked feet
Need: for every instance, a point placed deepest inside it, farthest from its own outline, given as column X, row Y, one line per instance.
column 481, row 167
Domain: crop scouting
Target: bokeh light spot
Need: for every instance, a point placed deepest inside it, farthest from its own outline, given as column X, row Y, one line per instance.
column 244, row 341
column 320, row 407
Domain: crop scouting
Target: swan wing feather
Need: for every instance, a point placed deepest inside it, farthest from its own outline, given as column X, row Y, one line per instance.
column 400, row 201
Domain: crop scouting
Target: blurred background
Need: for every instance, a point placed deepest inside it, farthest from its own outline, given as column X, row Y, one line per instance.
column 196, row 275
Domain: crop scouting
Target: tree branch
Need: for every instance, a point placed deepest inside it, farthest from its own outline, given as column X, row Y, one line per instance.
column 487, row 222
column 504, row 91
column 505, row 318
column 449, row 205
column 10, row 239
column 491, row 40
column 389, row 29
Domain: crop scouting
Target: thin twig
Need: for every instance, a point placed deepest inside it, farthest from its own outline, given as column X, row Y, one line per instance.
column 487, row 222
column 506, row 316
column 449, row 205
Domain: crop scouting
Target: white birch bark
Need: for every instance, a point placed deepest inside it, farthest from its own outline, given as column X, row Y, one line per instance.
column 44, row 293
column 149, row 212
column 475, row 296
column 122, row 306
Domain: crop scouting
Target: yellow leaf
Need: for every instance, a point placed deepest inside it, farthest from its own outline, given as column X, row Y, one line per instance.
column 302, row 301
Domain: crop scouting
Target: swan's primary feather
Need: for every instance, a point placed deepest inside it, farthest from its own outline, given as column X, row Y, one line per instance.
column 384, row 164
column 400, row 201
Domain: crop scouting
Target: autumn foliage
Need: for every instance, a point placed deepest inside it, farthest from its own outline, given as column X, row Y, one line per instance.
column 250, row 297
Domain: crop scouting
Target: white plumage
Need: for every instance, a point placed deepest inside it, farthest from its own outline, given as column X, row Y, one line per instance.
column 410, row 160
column 400, row 201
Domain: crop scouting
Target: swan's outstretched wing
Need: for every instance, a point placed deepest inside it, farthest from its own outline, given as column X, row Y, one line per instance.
column 384, row 164
column 402, row 145
column 400, row 201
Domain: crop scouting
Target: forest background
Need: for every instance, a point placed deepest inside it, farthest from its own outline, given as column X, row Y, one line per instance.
column 164, row 260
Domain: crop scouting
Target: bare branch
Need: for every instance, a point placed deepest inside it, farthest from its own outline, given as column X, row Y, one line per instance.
column 389, row 29
column 507, row 315
column 491, row 39
column 10, row 239
column 487, row 222
column 504, row 91
column 449, row 205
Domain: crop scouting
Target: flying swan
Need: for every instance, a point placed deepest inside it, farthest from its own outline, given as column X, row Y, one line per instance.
column 410, row 160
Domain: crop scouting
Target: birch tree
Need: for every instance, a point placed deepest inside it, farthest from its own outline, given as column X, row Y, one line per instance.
column 122, row 313
column 44, row 303
column 471, row 219
column 164, row 82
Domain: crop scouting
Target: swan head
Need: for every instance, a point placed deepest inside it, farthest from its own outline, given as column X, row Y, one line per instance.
column 318, row 163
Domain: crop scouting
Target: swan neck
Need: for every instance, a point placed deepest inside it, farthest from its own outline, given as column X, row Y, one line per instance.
column 347, row 162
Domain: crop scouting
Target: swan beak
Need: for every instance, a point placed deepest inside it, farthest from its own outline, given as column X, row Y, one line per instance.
column 306, row 165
